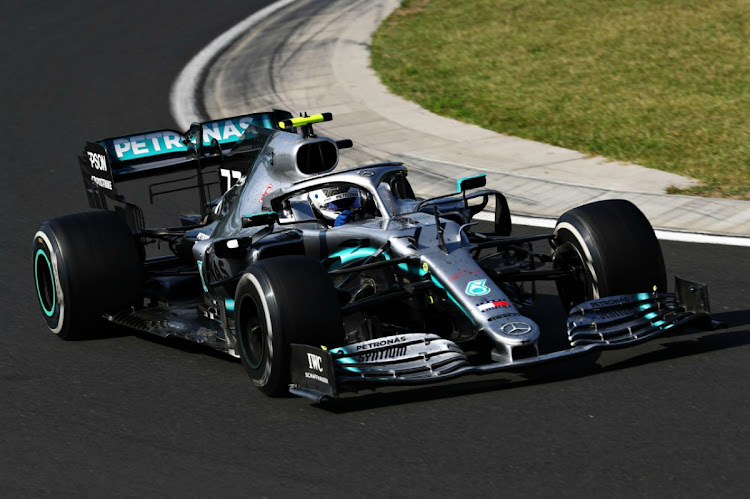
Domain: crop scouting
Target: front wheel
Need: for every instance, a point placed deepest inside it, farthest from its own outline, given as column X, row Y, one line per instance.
column 612, row 250
column 280, row 301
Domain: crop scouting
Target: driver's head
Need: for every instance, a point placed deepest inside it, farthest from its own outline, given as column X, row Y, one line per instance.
column 331, row 201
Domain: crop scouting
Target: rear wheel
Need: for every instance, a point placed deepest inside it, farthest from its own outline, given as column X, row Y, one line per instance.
column 85, row 265
column 280, row 301
column 612, row 249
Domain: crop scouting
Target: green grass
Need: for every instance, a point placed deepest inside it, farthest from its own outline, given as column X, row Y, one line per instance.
column 661, row 83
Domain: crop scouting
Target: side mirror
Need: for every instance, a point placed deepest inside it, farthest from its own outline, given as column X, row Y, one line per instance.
column 475, row 182
column 269, row 218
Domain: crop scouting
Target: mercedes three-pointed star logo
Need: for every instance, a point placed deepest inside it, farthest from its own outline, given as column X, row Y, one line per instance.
column 516, row 328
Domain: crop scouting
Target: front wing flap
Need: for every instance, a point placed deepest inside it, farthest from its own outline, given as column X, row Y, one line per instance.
column 410, row 358
column 407, row 356
column 414, row 359
column 624, row 319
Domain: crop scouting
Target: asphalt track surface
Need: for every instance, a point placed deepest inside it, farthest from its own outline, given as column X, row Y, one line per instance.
column 129, row 416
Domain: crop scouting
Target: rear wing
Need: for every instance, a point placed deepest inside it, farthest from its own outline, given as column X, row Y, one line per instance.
column 105, row 163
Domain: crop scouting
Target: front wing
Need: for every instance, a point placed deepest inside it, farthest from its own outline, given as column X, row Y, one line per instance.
column 414, row 359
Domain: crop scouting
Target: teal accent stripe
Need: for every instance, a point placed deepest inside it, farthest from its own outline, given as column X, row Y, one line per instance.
column 258, row 214
column 158, row 142
column 200, row 273
column 348, row 254
column 48, row 313
column 346, row 360
column 229, row 304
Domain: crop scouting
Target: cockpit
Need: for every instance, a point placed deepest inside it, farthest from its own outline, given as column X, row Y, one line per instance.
column 349, row 196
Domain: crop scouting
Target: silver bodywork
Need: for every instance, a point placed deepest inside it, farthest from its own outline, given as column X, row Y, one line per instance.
column 424, row 250
column 276, row 175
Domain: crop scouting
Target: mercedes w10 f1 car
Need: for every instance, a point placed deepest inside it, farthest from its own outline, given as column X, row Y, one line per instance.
column 325, row 281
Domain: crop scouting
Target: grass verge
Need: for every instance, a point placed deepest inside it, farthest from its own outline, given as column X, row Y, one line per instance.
column 661, row 83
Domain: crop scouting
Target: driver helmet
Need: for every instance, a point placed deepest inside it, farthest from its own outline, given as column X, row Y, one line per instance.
column 331, row 201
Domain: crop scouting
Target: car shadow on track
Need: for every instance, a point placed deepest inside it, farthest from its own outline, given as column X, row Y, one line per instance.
column 185, row 346
column 107, row 331
column 113, row 331
column 662, row 350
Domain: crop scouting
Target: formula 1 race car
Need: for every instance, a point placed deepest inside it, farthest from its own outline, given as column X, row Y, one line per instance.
column 325, row 281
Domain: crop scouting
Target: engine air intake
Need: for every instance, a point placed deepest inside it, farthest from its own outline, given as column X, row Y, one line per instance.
column 317, row 157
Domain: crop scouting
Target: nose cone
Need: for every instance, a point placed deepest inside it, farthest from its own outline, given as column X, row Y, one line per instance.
column 516, row 337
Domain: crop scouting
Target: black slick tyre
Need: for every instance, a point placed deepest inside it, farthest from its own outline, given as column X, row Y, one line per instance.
column 280, row 301
column 612, row 249
column 85, row 265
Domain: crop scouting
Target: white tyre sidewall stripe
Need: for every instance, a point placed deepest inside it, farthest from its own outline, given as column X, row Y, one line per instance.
column 269, row 328
column 55, row 272
column 182, row 96
column 589, row 261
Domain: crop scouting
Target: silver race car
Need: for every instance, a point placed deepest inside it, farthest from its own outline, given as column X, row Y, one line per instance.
column 325, row 281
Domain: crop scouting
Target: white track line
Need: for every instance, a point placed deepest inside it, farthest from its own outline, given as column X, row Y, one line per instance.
column 184, row 111
column 690, row 237
column 664, row 235
column 184, row 89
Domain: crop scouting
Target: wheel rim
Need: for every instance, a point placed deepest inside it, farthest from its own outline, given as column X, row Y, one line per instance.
column 252, row 332
column 45, row 283
column 574, row 289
